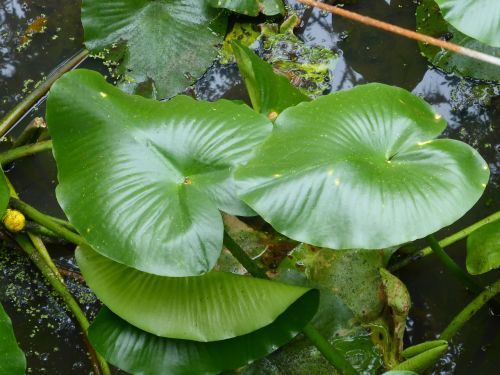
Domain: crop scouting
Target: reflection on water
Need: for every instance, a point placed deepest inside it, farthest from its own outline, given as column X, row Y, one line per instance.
column 471, row 108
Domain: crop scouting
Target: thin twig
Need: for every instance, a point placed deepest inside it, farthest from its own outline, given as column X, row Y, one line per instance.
column 404, row 32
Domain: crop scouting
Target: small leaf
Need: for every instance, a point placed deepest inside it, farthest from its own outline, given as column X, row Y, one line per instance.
column 251, row 7
column 143, row 181
column 139, row 352
column 421, row 362
column 270, row 93
column 165, row 44
column 361, row 169
column 483, row 249
column 215, row 306
column 479, row 19
column 414, row 350
column 12, row 359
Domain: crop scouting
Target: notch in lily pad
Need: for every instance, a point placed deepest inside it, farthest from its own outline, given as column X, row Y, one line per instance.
column 361, row 169
column 143, row 181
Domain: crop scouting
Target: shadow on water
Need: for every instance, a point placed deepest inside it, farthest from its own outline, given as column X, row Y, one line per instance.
column 52, row 342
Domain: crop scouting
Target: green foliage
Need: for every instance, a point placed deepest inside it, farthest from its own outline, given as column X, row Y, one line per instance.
column 415, row 350
column 269, row 92
column 215, row 306
column 430, row 22
column 118, row 342
column 12, row 359
column 366, row 173
column 143, row 181
column 423, row 360
column 251, row 7
column 483, row 249
column 479, row 19
column 4, row 193
column 160, row 47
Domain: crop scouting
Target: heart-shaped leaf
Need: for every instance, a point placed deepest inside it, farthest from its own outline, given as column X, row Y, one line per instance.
column 164, row 45
column 360, row 169
column 483, row 249
column 430, row 22
column 269, row 92
column 215, row 306
column 251, row 7
column 480, row 19
column 142, row 181
column 139, row 352
column 12, row 359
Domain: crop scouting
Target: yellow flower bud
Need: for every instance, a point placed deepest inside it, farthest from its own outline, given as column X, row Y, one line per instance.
column 14, row 221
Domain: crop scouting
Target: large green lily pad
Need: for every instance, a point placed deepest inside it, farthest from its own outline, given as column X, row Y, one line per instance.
column 361, row 169
column 430, row 22
column 143, row 181
column 139, row 352
column 479, row 19
column 483, row 249
column 12, row 359
column 162, row 46
column 251, row 7
column 215, row 306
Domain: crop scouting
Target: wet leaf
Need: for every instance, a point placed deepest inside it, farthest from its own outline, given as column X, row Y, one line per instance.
column 143, row 181
column 165, row 45
column 12, row 359
column 422, row 361
column 483, row 249
column 139, row 352
column 361, row 169
column 430, row 22
column 212, row 307
column 269, row 92
column 479, row 19
column 251, row 7
column 244, row 33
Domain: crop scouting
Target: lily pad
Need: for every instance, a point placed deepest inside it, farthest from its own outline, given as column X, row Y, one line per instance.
column 212, row 307
column 361, row 169
column 430, row 22
column 483, row 249
column 269, row 92
column 165, row 45
column 139, row 352
column 12, row 359
column 143, row 181
column 479, row 19
column 251, row 7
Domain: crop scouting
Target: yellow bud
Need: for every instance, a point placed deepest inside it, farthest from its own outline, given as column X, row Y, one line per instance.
column 14, row 221
column 272, row 115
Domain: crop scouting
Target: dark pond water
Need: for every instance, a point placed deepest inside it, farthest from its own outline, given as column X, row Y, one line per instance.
column 52, row 342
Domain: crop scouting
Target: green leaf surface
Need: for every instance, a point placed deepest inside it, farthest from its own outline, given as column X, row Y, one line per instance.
column 399, row 373
column 422, row 361
column 139, row 352
column 4, row 193
column 270, row 93
column 361, row 169
column 215, row 306
column 12, row 359
column 164, row 44
column 483, row 249
column 417, row 349
column 143, row 181
column 251, row 7
column 430, row 22
column 479, row 19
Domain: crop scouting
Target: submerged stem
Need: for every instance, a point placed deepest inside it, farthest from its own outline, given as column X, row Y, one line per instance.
column 468, row 312
column 452, row 266
column 23, row 151
column 455, row 237
column 329, row 352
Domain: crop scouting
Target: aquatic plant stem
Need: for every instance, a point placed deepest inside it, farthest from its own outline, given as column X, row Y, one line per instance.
column 403, row 32
column 452, row 266
column 46, row 221
column 455, row 237
column 29, row 101
column 468, row 312
column 329, row 352
column 23, row 151
column 62, row 291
